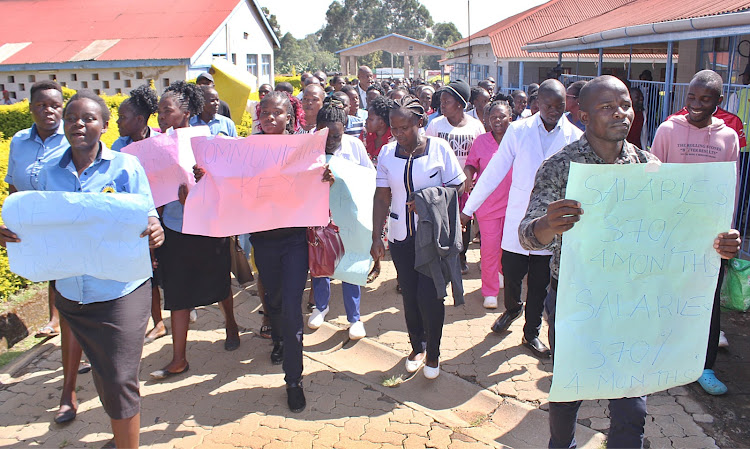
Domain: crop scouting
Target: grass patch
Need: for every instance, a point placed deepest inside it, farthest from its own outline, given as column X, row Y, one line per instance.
column 393, row 381
column 479, row 420
column 19, row 349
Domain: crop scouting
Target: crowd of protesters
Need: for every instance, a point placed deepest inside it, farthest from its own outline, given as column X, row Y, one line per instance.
column 481, row 161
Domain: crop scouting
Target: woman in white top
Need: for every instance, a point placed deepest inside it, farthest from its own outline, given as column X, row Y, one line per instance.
column 412, row 163
column 460, row 130
column 333, row 115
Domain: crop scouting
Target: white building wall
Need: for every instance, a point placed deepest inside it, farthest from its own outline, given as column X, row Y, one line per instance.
column 109, row 81
column 243, row 35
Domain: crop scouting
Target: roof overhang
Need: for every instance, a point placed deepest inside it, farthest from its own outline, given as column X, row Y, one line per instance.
column 650, row 37
column 481, row 40
column 78, row 65
column 393, row 43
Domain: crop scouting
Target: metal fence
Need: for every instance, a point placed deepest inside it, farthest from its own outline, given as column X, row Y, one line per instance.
column 655, row 103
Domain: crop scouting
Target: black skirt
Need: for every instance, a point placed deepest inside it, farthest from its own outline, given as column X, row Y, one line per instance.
column 194, row 269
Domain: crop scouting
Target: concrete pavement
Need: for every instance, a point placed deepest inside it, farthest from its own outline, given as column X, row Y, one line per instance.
column 491, row 392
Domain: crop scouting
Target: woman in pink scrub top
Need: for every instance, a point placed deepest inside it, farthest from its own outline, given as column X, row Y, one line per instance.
column 491, row 216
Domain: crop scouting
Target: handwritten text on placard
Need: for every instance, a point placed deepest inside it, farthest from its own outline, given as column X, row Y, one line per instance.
column 258, row 183
column 637, row 277
column 167, row 160
column 71, row 234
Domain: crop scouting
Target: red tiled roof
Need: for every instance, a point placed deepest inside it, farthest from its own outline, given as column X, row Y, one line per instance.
column 507, row 36
column 139, row 29
column 641, row 12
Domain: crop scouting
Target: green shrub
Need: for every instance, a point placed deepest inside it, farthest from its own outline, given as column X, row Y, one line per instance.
column 14, row 118
column 67, row 93
column 9, row 282
column 294, row 80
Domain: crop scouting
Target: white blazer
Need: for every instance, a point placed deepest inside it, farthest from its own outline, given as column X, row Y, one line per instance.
column 521, row 149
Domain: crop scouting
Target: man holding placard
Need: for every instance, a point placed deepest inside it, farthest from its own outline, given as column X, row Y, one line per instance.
column 606, row 111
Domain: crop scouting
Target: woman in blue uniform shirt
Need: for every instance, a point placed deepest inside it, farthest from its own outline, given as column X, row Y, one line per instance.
column 108, row 318
column 30, row 149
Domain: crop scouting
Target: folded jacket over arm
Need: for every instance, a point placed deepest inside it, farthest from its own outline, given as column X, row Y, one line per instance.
column 438, row 239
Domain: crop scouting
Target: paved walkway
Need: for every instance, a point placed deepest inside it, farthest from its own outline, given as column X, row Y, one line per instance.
column 492, row 393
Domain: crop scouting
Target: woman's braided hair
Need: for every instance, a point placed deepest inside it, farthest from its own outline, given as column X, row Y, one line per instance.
column 144, row 100
column 333, row 111
column 411, row 104
column 381, row 106
column 500, row 99
column 190, row 96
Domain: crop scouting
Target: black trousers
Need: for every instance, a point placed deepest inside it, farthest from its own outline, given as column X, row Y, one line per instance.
column 515, row 268
column 424, row 311
column 713, row 331
column 466, row 240
column 282, row 265
column 627, row 416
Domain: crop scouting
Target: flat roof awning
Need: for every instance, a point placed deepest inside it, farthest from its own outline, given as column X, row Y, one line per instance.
column 647, row 25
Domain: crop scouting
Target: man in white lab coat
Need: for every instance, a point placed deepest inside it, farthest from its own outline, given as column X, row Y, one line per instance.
column 526, row 144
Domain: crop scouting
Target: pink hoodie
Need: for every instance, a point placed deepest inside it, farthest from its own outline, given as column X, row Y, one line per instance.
column 677, row 141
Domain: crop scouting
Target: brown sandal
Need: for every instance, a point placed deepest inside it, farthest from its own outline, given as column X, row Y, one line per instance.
column 374, row 273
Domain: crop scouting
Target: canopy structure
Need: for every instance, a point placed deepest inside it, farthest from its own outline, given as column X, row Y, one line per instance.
column 393, row 43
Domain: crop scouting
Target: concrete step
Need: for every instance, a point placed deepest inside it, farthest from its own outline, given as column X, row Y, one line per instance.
column 449, row 399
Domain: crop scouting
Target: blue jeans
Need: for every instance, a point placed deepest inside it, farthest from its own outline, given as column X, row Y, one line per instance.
column 627, row 416
column 352, row 294
column 282, row 266
column 244, row 241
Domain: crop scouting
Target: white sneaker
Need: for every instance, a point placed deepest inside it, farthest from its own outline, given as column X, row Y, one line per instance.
column 316, row 318
column 502, row 280
column 430, row 372
column 413, row 365
column 723, row 342
column 193, row 316
column 357, row 331
column 490, row 302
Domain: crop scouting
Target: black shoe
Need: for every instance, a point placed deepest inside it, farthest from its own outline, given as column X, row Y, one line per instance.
column 295, row 398
column 66, row 416
column 277, row 354
column 464, row 268
column 503, row 322
column 537, row 347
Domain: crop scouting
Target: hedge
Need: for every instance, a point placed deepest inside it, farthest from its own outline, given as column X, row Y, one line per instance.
column 294, row 80
column 9, row 282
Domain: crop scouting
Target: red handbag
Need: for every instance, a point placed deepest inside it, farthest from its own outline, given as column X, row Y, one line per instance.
column 326, row 249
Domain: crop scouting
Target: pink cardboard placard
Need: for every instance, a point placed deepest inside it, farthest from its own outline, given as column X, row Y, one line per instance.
column 258, row 183
column 168, row 161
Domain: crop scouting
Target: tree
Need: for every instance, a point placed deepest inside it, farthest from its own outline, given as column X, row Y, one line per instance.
column 444, row 34
column 271, row 18
column 356, row 21
column 408, row 18
column 300, row 55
